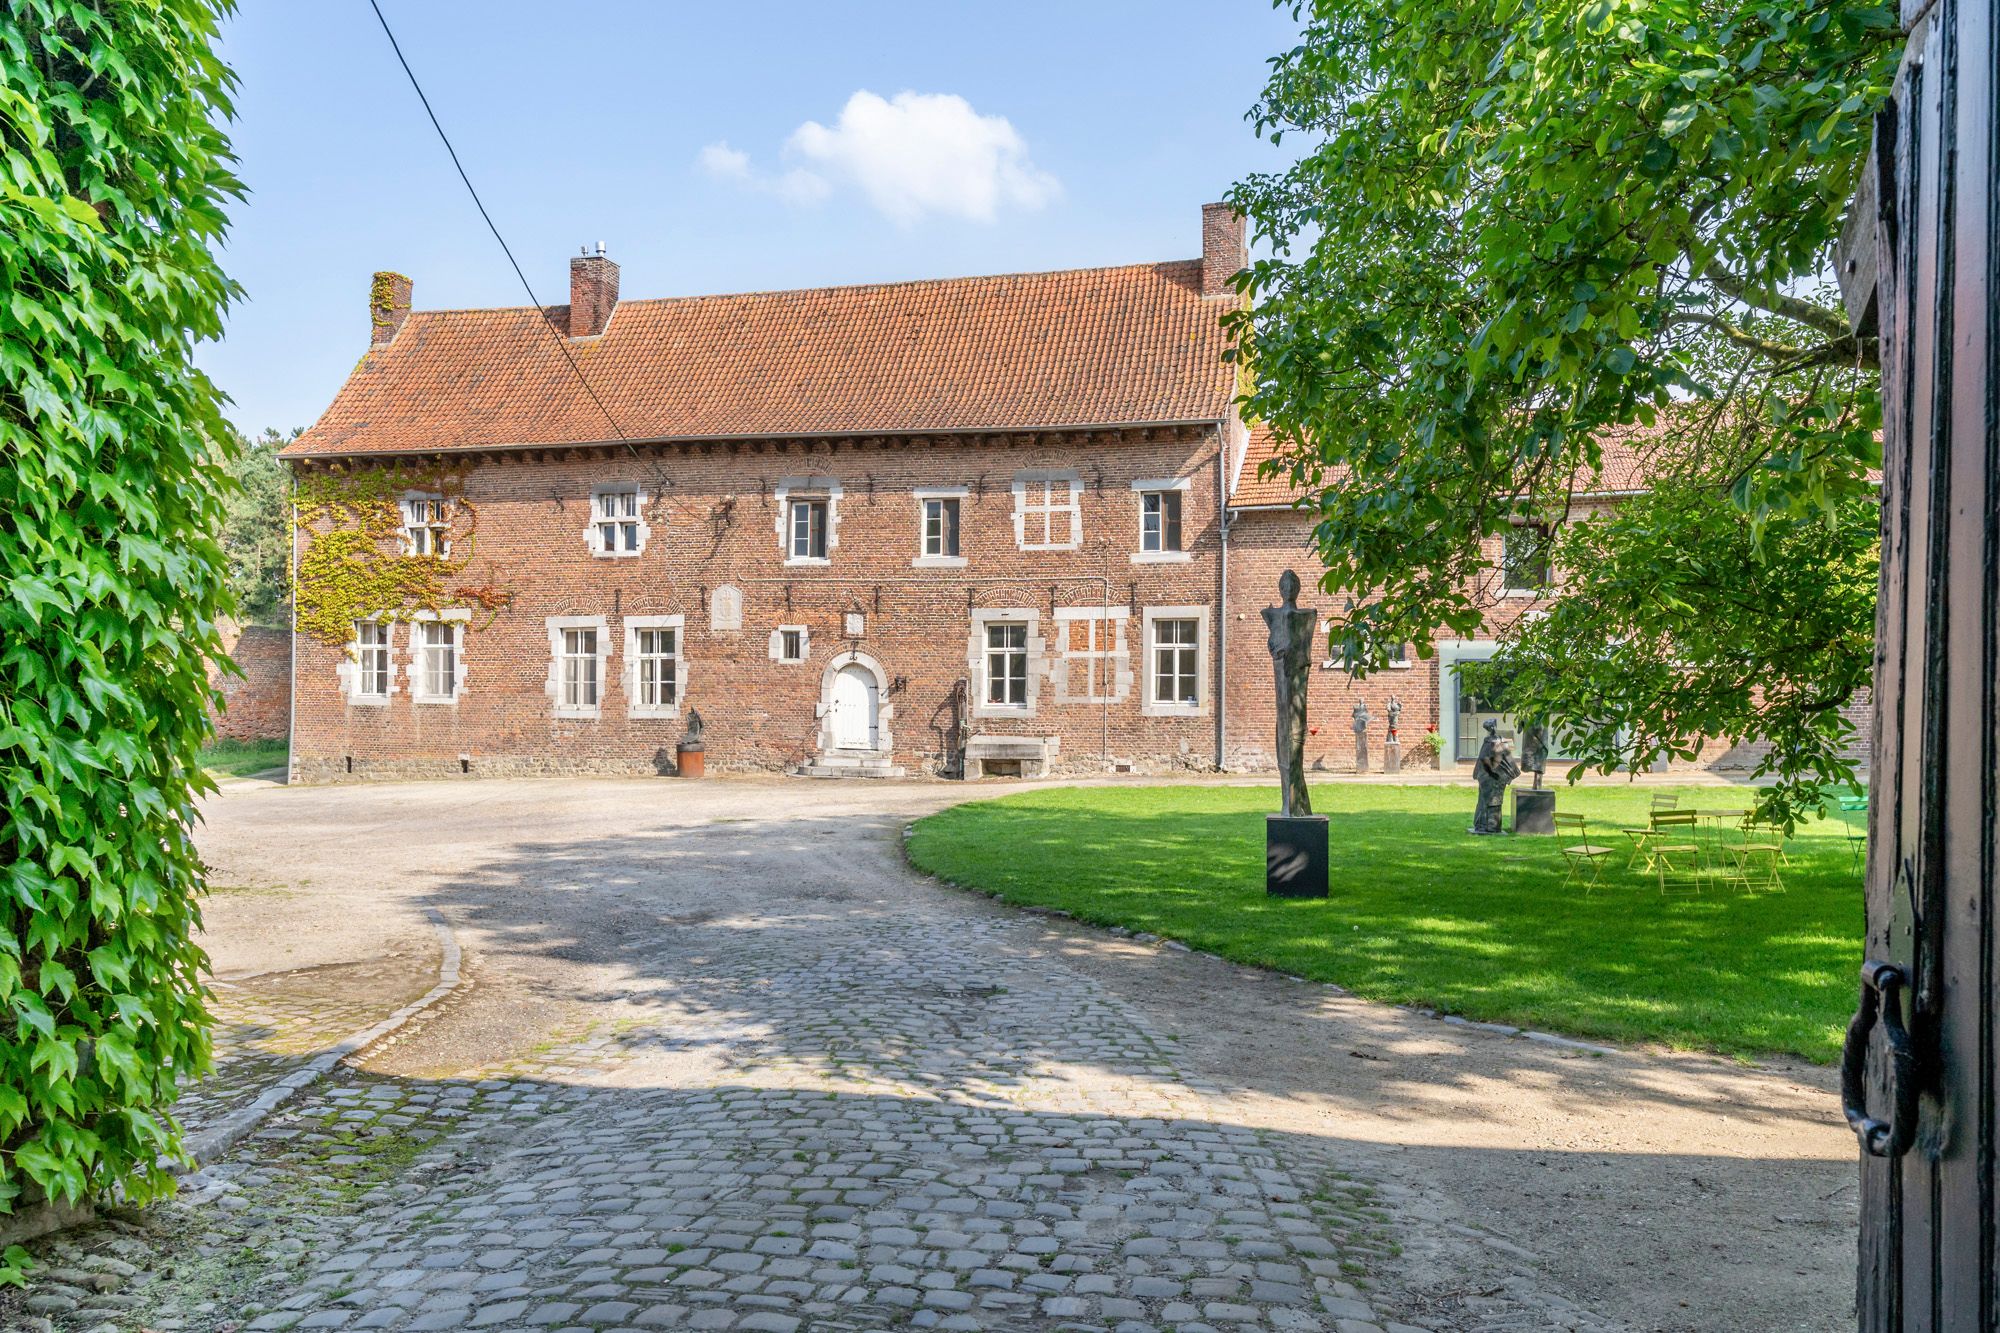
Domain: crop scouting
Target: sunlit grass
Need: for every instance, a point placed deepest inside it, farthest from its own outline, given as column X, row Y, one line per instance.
column 1422, row 913
column 227, row 758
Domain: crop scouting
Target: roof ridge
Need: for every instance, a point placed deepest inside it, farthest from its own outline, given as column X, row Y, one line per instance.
column 802, row 291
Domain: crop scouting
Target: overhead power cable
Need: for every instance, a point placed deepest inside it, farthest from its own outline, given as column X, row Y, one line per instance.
column 562, row 343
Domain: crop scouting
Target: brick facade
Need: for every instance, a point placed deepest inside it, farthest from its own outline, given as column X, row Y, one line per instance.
column 256, row 705
column 718, row 525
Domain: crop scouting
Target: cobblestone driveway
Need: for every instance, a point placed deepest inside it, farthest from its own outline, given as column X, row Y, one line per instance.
column 716, row 1073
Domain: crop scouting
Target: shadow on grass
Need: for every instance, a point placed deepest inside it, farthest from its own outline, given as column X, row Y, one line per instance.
column 1422, row 913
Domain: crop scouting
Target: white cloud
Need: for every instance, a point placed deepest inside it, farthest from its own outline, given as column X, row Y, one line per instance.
column 913, row 156
column 730, row 164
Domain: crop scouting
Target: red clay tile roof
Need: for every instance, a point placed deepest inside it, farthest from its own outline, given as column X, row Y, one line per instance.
column 1622, row 471
column 1087, row 347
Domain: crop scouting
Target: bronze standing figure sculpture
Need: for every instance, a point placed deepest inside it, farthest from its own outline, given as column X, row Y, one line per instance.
column 1291, row 657
column 1295, row 839
column 1495, row 768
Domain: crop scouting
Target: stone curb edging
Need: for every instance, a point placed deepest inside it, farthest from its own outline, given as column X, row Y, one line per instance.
column 211, row 1143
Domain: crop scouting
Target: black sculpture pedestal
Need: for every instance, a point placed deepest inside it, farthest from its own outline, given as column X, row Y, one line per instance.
column 1534, row 810
column 1295, row 856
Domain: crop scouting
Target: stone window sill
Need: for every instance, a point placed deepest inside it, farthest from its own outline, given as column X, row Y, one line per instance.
column 1161, row 557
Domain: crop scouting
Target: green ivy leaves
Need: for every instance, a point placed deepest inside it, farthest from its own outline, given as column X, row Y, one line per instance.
column 113, row 182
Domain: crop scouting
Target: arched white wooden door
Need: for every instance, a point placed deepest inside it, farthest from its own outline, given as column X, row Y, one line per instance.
column 854, row 707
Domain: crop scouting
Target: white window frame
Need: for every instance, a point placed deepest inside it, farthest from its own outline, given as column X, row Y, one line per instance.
column 426, row 525
column 635, row 706
column 1104, row 660
column 925, row 497
column 593, row 535
column 1150, row 704
column 556, row 626
column 825, row 489
column 777, row 645
column 976, row 660
column 419, row 673
column 1037, row 515
column 1163, row 556
column 354, row 672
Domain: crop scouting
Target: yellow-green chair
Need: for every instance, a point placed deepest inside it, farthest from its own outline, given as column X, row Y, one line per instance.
column 1573, row 840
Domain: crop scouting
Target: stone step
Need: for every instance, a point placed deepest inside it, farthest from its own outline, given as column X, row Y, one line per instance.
column 870, row 770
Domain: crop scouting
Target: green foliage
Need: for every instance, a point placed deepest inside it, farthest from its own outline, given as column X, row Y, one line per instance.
column 256, row 537
column 1422, row 913
column 115, row 178
column 353, row 565
column 1635, row 660
column 1519, row 229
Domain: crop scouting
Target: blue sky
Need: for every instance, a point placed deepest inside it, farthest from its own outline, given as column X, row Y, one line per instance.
column 711, row 148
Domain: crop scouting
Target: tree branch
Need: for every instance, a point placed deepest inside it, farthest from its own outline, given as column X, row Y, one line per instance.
column 1775, row 303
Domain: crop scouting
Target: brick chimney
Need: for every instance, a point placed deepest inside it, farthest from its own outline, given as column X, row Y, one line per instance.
column 388, row 306
column 593, row 293
column 1224, row 252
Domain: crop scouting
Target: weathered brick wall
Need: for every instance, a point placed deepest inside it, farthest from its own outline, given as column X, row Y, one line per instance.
column 256, row 705
column 716, row 524
column 1262, row 545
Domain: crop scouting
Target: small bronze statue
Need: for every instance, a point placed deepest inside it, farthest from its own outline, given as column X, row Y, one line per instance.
column 1361, row 721
column 1291, row 656
column 1495, row 768
column 695, row 728
column 1395, row 717
column 1534, row 748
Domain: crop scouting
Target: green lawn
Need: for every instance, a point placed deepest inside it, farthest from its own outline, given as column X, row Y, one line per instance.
column 233, row 759
column 1422, row 913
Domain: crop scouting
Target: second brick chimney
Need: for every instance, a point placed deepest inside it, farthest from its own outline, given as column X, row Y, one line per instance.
column 1224, row 252
column 388, row 306
column 593, row 293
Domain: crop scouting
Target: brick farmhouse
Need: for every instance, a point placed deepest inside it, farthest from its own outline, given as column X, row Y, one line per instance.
column 969, row 527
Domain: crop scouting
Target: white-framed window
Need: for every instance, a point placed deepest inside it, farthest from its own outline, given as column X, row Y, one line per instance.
column 372, row 673
column 426, row 525
column 618, row 527
column 579, row 647
column 939, row 511
column 1007, row 664
column 1048, row 511
column 437, row 657
column 791, row 643
column 941, row 526
column 1093, row 666
column 653, row 666
column 1524, row 559
column 1176, row 662
column 807, row 529
column 1160, row 505
column 808, row 519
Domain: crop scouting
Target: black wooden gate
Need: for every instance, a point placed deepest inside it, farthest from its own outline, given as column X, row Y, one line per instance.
column 1922, row 1079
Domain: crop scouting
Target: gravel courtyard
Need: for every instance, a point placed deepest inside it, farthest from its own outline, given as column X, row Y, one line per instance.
column 719, row 1060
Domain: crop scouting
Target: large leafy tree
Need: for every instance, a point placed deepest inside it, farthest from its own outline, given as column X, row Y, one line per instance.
column 1518, row 232
column 113, row 178
column 257, row 535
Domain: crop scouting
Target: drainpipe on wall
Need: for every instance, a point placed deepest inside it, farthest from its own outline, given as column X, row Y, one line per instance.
column 1222, row 599
column 292, row 667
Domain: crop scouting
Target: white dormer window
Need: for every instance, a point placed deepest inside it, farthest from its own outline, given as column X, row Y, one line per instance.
column 617, row 521
column 426, row 526
column 1048, row 514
